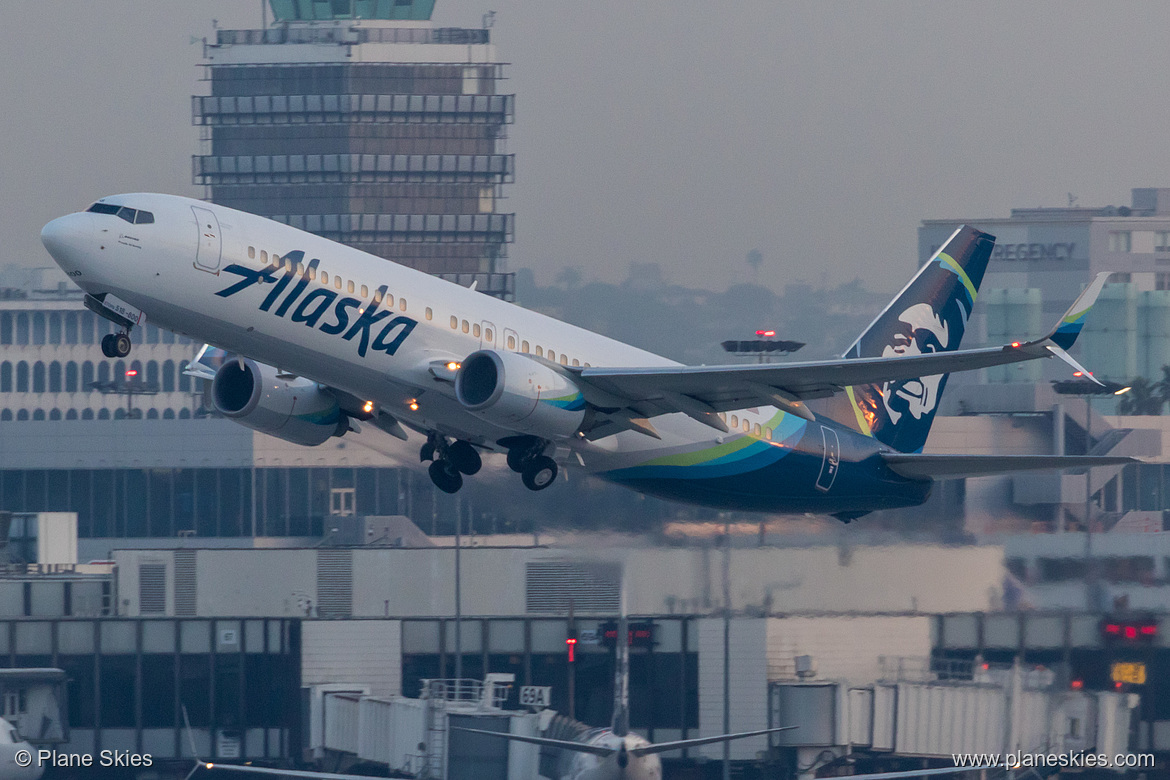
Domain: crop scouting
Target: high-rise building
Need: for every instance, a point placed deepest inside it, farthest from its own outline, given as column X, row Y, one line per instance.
column 362, row 122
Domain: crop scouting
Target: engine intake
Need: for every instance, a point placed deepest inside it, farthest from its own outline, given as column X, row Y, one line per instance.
column 520, row 393
column 296, row 410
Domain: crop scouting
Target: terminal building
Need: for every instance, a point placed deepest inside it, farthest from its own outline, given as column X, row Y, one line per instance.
column 364, row 123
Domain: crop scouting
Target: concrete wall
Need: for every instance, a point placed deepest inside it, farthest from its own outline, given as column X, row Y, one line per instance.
column 844, row 649
column 364, row 652
column 770, row 580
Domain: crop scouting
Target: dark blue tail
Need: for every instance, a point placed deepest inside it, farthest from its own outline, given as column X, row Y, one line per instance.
column 929, row 315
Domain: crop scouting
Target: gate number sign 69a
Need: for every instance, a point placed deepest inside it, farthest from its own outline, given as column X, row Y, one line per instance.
column 535, row 695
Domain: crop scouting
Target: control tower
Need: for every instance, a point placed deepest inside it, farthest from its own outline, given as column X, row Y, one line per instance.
column 362, row 122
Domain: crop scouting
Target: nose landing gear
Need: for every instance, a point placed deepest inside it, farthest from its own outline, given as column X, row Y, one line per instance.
column 116, row 345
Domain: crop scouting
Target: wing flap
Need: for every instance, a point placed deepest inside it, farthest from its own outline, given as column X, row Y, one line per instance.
column 923, row 466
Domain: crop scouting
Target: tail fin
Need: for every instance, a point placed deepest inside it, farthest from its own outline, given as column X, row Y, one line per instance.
column 621, row 682
column 929, row 315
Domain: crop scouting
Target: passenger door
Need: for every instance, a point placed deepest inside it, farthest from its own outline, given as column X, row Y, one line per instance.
column 210, row 247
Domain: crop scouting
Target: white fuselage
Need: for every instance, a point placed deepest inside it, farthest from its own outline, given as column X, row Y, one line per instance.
column 176, row 271
column 585, row 766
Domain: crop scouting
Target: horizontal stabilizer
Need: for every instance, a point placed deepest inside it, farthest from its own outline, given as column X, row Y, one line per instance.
column 916, row 465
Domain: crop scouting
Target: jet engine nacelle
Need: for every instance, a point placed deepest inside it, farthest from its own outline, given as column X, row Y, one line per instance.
column 295, row 410
column 518, row 392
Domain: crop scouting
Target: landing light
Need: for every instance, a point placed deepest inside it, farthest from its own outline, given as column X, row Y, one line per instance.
column 453, row 366
column 1123, row 391
column 1015, row 343
column 368, row 407
column 413, row 404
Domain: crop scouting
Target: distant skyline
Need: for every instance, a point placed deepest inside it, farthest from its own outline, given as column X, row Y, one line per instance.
column 677, row 133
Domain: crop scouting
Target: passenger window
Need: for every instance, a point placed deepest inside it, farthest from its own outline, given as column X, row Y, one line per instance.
column 747, row 426
column 540, row 351
column 524, row 347
column 475, row 331
column 264, row 257
column 768, row 434
column 488, row 335
column 389, row 301
column 144, row 218
column 324, row 278
column 511, row 342
column 251, row 253
column 337, row 282
column 429, row 313
column 734, row 421
column 564, row 360
column 377, row 297
column 365, row 291
column 312, row 274
column 466, row 326
column 576, row 362
column 401, row 304
column 300, row 269
column 349, row 287
column 587, row 366
column 454, row 323
column 757, row 429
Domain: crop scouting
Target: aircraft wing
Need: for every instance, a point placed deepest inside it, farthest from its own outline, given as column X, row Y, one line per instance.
column 259, row 770
column 664, row 747
column 563, row 744
column 920, row 466
column 702, row 391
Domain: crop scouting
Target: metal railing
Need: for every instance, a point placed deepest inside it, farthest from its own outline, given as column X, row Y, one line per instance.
column 294, row 109
column 323, row 168
column 351, row 35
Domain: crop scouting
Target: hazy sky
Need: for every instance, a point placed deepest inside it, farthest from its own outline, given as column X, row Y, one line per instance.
column 679, row 132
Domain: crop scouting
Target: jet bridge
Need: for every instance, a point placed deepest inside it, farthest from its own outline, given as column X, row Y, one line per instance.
column 414, row 736
column 920, row 709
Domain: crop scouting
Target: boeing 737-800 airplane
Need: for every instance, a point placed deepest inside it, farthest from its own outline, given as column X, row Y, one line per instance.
column 323, row 336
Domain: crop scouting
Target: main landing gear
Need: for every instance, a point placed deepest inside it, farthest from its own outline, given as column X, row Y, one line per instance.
column 526, row 457
column 449, row 462
column 116, row 345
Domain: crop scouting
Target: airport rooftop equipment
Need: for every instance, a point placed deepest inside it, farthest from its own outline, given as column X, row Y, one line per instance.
column 362, row 122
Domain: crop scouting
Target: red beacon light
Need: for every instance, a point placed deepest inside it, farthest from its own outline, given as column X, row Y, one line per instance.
column 572, row 643
column 767, row 333
column 132, row 373
column 1142, row 629
column 1078, row 685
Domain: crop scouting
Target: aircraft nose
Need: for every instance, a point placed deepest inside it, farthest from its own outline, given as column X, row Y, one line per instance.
column 64, row 236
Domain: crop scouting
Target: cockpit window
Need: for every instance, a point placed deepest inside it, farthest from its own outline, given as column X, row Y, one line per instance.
column 133, row 216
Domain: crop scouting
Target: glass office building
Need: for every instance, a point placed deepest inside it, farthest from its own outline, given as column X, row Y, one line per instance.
column 362, row 123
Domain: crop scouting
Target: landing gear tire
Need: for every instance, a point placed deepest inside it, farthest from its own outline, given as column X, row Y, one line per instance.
column 427, row 452
column 464, row 458
column 445, row 478
column 516, row 460
column 539, row 473
column 108, row 348
column 122, row 345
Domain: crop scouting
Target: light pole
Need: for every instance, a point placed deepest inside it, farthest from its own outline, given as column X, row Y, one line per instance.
column 1088, row 388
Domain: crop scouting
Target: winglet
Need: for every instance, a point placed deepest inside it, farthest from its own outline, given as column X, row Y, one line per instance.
column 1064, row 335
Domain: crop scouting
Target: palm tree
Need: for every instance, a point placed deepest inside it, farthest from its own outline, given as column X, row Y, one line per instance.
column 1144, row 396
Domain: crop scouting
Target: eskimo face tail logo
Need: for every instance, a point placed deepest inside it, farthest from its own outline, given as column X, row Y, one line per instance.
column 351, row 318
column 919, row 331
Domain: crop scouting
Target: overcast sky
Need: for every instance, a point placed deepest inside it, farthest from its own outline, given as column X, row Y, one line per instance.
column 678, row 132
